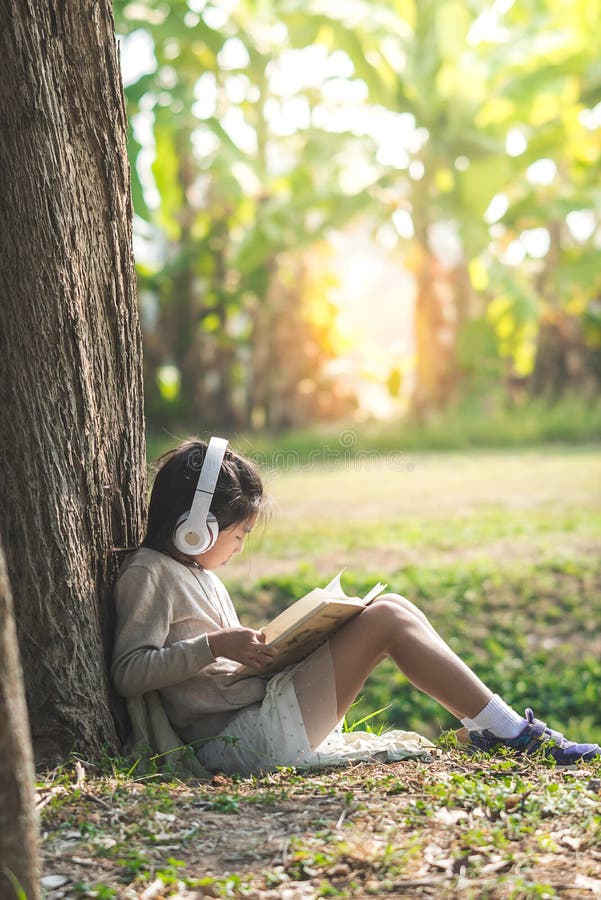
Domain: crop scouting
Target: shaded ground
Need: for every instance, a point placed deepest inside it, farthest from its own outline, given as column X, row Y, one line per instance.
column 452, row 828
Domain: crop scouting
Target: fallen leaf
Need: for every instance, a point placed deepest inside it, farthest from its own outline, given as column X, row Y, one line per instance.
column 54, row 881
column 338, row 871
column 153, row 891
column 449, row 816
column 165, row 817
column 221, row 779
column 591, row 884
column 516, row 799
column 500, row 865
column 567, row 840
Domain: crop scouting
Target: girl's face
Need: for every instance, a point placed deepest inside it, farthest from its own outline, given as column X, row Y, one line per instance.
column 229, row 541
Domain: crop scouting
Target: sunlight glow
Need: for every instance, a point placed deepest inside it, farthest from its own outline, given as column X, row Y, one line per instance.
column 515, row 143
column 205, row 91
column 514, row 254
column 403, row 223
column 446, row 243
column 376, row 299
column 286, row 116
column 536, row 242
column 233, row 55
column 137, row 56
column 236, row 88
column 591, row 118
column 487, row 26
column 204, row 143
column 582, row 224
column 298, row 70
column 142, row 125
column 497, row 208
column 543, row 171
column 214, row 16
column 238, row 129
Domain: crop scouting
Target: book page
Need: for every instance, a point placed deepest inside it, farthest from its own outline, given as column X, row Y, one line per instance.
column 335, row 589
column 375, row 592
column 304, row 637
column 294, row 617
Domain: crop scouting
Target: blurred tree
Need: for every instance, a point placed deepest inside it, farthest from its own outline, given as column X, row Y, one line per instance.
column 239, row 182
column 255, row 158
column 539, row 269
column 295, row 337
column 560, row 200
column 470, row 102
column 417, row 65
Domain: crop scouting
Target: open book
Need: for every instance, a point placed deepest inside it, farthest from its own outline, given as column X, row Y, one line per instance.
column 309, row 622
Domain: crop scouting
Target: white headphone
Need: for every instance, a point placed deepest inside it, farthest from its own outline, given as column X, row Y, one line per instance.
column 197, row 530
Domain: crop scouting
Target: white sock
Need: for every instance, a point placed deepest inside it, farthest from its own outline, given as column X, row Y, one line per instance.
column 469, row 724
column 497, row 717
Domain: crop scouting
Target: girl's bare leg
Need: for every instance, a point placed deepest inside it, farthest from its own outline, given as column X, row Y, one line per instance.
column 392, row 626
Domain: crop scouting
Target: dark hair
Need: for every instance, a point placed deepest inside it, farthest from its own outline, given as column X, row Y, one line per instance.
column 238, row 496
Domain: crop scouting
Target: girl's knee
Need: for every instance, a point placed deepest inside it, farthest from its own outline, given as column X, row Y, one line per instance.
column 391, row 616
column 400, row 601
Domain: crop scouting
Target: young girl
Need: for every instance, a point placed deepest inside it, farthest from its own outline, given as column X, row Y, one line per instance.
column 178, row 633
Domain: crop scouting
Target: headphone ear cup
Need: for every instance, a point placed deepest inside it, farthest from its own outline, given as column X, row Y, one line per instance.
column 195, row 541
column 212, row 532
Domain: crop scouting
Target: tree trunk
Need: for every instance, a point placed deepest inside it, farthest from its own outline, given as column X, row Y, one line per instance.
column 71, row 435
column 18, row 825
column 435, row 338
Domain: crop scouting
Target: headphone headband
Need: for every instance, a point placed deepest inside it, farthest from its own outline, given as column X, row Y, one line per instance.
column 209, row 473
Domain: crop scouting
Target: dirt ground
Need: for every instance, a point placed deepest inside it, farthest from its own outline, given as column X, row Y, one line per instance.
column 450, row 828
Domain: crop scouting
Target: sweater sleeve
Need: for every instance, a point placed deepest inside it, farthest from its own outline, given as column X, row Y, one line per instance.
column 141, row 661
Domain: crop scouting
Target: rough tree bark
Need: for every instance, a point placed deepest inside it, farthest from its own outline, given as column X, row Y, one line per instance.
column 71, row 432
column 18, row 825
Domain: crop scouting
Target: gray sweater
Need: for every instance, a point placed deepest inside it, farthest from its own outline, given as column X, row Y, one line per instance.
column 164, row 611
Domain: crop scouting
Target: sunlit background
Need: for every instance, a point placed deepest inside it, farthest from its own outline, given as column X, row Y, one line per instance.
column 363, row 211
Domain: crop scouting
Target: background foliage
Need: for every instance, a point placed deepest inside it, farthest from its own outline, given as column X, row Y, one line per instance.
column 463, row 136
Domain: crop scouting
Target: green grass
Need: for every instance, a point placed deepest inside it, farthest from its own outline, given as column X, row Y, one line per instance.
column 499, row 548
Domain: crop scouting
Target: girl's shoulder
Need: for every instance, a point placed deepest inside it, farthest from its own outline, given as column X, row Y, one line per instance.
column 152, row 570
column 152, row 560
column 145, row 562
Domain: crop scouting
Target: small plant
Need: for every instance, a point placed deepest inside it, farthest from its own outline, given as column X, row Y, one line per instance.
column 225, row 803
column 349, row 727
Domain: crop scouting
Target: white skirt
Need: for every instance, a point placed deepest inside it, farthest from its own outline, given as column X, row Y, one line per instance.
column 272, row 733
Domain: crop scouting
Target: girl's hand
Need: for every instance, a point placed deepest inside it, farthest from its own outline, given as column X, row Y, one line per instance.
column 243, row 645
